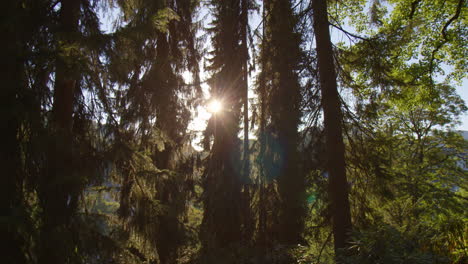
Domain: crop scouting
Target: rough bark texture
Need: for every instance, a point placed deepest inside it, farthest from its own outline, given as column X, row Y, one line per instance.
column 11, row 69
column 338, row 186
column 60, row 188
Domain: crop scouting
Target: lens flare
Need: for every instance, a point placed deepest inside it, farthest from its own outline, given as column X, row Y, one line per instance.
column 215, row 106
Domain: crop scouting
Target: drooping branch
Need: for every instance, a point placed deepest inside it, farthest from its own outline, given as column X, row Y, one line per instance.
column 445, row 37
column 349, row 33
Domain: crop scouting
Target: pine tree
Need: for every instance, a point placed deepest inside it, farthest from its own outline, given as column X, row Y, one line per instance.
column 222, row 184
column 12, row 93
column 247, row 217
column 283, row 98
column 59, row 188
column 157, row 46
column 333, row 118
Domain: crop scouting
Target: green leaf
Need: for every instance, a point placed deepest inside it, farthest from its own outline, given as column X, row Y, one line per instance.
column 163, row 17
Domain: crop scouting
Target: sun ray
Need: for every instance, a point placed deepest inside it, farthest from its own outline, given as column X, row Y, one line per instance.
column 215, row 106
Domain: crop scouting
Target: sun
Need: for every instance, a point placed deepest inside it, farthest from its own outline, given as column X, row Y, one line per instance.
column 215, row 106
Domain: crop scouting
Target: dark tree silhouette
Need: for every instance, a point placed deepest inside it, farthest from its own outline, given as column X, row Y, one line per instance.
column 222, row 221
column 333, row 118
column 283, row 110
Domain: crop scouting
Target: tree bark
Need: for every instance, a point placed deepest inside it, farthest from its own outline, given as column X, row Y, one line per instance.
column 60, row 187
column 338, row 186
column 262, row 218
column 248, row 227
column 245, row 84
column 13, row 81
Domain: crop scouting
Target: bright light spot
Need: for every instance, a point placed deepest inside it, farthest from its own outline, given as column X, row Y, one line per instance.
column 215, row 106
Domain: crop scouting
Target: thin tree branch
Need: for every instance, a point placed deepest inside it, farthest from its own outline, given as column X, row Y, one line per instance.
column 444, row 35
column 349, row 33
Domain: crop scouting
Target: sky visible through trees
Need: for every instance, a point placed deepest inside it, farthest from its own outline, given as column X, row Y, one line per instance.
column 202, row 115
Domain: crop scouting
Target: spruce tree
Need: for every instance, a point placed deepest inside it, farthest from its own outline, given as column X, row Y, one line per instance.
column 156, row 46
column 333, row 118
column 12, row 93
column 283, row 98
column 222, row 184
column 59, row 188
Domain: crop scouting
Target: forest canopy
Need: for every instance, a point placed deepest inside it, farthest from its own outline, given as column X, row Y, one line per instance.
column 233, row 131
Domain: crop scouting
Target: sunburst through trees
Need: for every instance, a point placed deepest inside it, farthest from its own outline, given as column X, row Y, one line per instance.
column 326, row 129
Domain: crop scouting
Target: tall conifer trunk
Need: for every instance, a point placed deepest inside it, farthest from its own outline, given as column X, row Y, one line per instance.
column 246, row 211
column 59, row 191
column 283, row 110
column 13, row 81
column 245, row 85
column 335, row 153
column 222, row 216
column 165, row 116
column 262, row 215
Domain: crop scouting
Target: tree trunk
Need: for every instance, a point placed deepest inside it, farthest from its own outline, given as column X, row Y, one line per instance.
column 60, row 187
column 338, row 186
column 284, row 115
column 222, row 180
column 245, row 85
column 247, row 214
column 262, row 215
column 13, row 81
